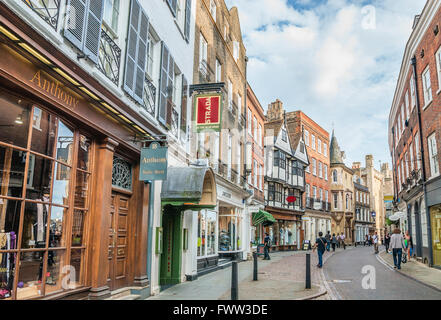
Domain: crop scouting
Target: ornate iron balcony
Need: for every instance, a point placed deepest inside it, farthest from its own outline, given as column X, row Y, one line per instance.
column 149, row 96
column 109, row 57
column 48, row 10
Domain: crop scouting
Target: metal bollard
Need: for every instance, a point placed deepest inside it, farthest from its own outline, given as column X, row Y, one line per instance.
column 234, row 282
column 255, row 266
column 308, row 271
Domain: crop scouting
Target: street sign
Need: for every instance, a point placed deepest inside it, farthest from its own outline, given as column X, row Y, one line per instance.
column 373, row 213
column 208, row 112
column 153, row 163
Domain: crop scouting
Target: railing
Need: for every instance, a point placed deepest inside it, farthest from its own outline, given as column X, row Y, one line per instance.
column 48, row 10
column 109, row 58
column 205, row 72
column 149, row 96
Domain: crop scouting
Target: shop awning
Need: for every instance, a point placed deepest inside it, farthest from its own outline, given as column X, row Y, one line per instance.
column 190, row 187
column 263, row 217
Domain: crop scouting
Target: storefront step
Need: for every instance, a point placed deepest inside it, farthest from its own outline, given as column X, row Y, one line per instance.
column 128, row 293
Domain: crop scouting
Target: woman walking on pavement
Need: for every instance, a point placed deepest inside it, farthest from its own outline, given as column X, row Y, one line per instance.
column 333, row 242
column 397, row 245
column 409, row 245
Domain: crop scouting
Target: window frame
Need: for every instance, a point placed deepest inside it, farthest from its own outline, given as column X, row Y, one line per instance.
column 427, row 90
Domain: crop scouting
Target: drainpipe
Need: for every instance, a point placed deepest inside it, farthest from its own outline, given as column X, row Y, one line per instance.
column 429, row 228
column 150, row 232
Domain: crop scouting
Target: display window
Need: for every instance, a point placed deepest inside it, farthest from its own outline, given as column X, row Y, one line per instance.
column 207, row 235
column 285, row 233
column 435, row 215
column 44, row 200
column 230, row 224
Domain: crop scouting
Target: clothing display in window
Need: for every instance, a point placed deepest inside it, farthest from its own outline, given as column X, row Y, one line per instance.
column 7, row 263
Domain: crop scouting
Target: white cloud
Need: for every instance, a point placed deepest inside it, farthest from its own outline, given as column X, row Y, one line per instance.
column 320, row 59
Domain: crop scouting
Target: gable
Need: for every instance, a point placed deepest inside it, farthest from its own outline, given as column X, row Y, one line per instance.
column 283, row 145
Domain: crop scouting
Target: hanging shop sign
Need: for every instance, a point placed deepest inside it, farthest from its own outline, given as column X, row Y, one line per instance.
column 291, row 199
column 208, row 112
column 153, row 163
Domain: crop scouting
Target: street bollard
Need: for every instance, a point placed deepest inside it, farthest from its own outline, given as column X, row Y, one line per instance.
column 234, row 282
column 255, row 266
column 308, row 271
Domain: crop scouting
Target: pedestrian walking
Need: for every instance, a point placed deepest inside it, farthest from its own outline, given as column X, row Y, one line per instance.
column 320, row 245
column 375, row 241
column 397, row 245
column 366, row 240
column 369, row 240
column 387, row 241
column 338, row 240
column 266, row 249
column 342, row 239
column 328, row 241
column 333, row 242
column 408, row 237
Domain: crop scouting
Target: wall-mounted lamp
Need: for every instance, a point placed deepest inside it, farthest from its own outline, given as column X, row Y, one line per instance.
column 19, row 119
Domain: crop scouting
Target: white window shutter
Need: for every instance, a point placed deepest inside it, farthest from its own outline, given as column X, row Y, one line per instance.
column 187, row 19
column 136, row 52
column 93, row 29
column 163, row 84
column 132, row 42
column 75, row 22
column 141, row 57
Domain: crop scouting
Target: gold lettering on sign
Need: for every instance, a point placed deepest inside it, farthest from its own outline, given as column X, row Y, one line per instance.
column 55, row 89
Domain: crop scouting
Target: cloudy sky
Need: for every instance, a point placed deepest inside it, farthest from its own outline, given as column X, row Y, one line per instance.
column 336, row 60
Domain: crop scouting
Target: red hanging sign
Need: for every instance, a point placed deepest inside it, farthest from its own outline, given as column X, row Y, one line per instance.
column 291, row 199
column 208, row 112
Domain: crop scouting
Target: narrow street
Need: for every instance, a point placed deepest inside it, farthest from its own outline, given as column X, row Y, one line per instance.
column 343, row 273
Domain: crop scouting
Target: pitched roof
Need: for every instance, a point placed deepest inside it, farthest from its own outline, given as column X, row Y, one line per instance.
column 336, row 156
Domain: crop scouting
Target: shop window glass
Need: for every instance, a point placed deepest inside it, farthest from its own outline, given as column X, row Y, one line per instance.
column 78, row 228
column 54, row 273
column 57, row 231
column 84, row 153
column 34, row 226
column 211, row 232
column 31, row 275
column 7, row 270
column 60, row 193
column 14, row 121
column 81, row 189
column 65, row 143
column 201, row 237
column 12, row 168
column 9, row 220
column 229, row 230
column 76, row 273
column 39, row 178
column 43, row 132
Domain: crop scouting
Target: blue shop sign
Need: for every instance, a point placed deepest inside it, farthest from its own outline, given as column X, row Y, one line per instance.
column 153, row 163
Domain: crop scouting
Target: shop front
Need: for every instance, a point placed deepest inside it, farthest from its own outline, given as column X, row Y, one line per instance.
column 234, row 222
column 261, row 223
column 285, row 232
column 70, row 203
column 189, row 224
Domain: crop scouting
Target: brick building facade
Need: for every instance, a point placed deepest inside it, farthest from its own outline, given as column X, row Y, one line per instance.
column 317, row 196
column 415, row 134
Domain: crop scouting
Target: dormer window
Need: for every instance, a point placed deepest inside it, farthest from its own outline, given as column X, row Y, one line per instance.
column 284, row 136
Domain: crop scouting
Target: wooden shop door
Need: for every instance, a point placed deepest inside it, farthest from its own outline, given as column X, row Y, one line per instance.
column 118, row 241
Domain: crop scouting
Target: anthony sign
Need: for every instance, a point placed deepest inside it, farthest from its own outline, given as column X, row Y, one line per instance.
column 153, row 164
column 208, row 112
